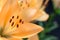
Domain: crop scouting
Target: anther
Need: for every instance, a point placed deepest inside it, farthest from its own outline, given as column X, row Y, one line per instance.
column 12, row 24
column 12, row 17
column 10, row 20
column 17, row 17
column 20, row 20
column 17, row 25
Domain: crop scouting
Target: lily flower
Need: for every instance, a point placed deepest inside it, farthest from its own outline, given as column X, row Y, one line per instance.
column 16, row 17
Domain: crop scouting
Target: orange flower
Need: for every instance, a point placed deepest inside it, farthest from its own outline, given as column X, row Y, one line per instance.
column 16, row 17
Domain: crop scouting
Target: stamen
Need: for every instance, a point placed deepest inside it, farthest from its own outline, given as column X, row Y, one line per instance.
column 12, row 23
column 17, row 25
column 20, row 20
column 12, row 17
column 17, row 17
column 10, row 20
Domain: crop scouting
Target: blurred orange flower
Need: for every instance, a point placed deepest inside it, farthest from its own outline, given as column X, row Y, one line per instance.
column 16, row 17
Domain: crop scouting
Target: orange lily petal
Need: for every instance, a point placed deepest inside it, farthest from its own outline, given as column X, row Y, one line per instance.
column 33, row 14
column 26, row 30
column 40, row 14
column 43, row 17
column 2, row 38
column 35, row 37
column 2, row 2
column 35, row 3
column 10, row 6
column 3, row 13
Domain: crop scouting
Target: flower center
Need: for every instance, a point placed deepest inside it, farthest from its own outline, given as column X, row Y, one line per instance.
column 19, row 20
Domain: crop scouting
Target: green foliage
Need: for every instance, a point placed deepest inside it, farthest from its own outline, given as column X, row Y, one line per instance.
column 52, row 26
column 40, row 23
column 57, row 11
column 50, row 38
column 43, row 35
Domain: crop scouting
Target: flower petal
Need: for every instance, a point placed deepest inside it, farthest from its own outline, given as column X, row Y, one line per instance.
column 26, row 30
column 43, row 17
column 2, row 38
column 9, row 7
column 35, row 37
column 35, row 3
column 40, row 15
column 28, row 13
column 34, row 14
column 2, row 2
column 3, row 13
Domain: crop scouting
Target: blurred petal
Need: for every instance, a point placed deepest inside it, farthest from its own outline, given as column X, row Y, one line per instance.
column 32, row 14
column 29, row 13
column 10, row 6
column 2, row 38
column 35, row 3
column 35, row 37
column 43, row 17
column 2, row 2
column 3, row 13
column 40, row 15
column 26, row 30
